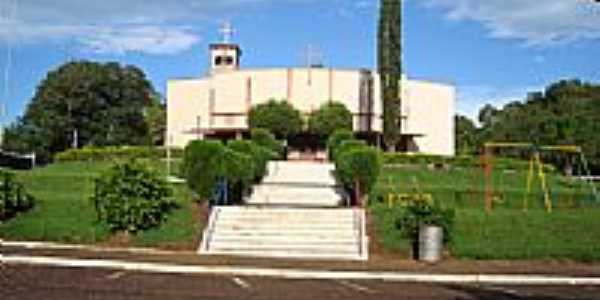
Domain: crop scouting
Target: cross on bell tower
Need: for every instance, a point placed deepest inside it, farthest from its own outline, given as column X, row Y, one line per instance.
column 227, row 31
column 225, row 56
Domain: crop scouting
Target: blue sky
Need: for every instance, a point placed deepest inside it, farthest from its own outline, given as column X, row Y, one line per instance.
column 494, row 51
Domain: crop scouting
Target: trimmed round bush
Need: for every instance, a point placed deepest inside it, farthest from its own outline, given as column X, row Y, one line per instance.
column 14, row 199
column 202, row 166
column 329, row 118
column 238, row 170
column 360, row 164
column 279, row 117
column 336, row 139
column 348, row 145
column 265, row 138
column 260, row 156
column 131, row 197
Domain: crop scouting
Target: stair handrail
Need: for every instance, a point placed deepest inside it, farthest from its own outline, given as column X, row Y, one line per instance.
column 209, row 230
column 364, row 239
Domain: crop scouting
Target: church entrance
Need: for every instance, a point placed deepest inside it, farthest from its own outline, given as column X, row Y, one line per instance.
column 307, row 147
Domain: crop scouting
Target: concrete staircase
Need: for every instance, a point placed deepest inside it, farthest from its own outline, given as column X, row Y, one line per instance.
column 294, row 213
column 284, row 232
column 298, row 184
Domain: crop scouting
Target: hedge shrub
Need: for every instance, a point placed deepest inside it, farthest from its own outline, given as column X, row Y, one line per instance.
column 131, row 197
column 265, row 138
column 115, row 153
column 501, row 163
column 360, row 164
column 336, row 139
column 260, row 156
column 328, row 118
column 238, row 169
column 207, row 163
column 202, row 166
column 348, row 145
column 14, row 199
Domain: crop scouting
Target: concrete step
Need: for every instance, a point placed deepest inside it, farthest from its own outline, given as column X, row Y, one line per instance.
column 246, row 209
column 311, row 240
column 284, row 227
column 287, row 248
column 277, row 220
column 290, row 234
column 293, row 202
column 289, row 255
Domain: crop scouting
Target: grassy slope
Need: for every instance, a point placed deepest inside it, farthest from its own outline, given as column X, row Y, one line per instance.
column 508, row 233
column 64, row 213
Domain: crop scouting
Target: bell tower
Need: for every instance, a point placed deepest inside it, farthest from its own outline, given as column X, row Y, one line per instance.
column 225, row 56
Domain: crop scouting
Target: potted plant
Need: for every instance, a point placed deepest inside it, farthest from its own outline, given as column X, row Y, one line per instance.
column 428, row 226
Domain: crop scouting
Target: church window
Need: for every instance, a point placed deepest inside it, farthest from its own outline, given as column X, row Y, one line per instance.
column 219, row 60
column 229, row 60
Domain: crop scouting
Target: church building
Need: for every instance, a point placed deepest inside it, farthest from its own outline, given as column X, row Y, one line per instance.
column 217, row 105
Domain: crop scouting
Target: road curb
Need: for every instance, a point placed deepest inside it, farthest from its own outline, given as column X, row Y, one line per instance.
column 530, row 280
column 57, row 246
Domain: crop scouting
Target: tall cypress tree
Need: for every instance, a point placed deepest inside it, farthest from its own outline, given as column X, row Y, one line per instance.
column 390, row 69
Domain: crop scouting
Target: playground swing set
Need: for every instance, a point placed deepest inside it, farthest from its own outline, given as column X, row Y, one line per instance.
column 535, row 166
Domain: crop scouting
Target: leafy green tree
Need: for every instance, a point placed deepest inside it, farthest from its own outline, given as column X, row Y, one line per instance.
column 466, row 135
column 567, row 112
column 389, row 58
column 330, row 117
column 279, row 117
column 85, row 104
column 155, row 116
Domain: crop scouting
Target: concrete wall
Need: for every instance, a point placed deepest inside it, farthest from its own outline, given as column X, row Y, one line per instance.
column 223, row 100
column 429, row 109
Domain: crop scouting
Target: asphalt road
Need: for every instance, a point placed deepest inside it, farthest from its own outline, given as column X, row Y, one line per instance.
column 25, row 282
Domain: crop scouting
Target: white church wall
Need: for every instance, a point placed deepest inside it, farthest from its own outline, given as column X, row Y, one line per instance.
column 429, row 109
column 267, row 84
column 187, row 103
column 377, row 104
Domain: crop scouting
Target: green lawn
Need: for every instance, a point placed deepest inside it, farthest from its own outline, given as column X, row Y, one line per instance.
column 571, row 232
column 64, row 213
column 464, row 187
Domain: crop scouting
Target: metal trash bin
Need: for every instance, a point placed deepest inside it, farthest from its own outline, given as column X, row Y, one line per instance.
column 431, row 243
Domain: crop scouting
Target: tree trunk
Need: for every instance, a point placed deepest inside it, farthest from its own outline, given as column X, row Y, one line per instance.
column 357, row 193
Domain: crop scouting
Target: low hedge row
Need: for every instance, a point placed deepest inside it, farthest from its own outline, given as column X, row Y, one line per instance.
column 115, row 153
column 14, row 198
column 457, row 161
column 208, row 165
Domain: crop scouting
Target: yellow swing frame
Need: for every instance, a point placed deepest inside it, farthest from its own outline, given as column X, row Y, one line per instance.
column 534, row 162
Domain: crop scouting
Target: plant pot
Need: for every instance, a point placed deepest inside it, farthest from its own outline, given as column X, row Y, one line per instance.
column 431, row 243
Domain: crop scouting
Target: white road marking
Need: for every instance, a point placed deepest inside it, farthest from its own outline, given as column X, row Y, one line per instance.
column 356, row 287
column 116, row 275
column 501, row 280
column 243, row 284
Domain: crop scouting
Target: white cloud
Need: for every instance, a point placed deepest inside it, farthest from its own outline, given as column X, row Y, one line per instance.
column 470, row 99
column 113, row 26
column 538, row 23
